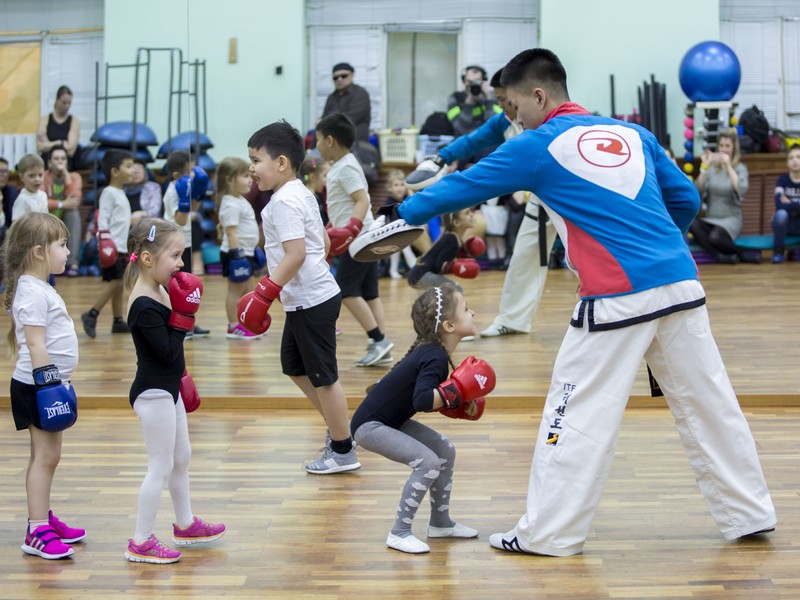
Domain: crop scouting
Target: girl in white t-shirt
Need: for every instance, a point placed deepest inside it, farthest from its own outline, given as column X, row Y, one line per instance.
column 43, row 337
column 239, row 231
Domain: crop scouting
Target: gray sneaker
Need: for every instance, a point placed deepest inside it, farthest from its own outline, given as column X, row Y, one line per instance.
column 376, row 352
column 333, row 462
column 370, row 344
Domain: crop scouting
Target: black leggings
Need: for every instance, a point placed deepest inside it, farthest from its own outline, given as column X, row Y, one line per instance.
column 713, row 239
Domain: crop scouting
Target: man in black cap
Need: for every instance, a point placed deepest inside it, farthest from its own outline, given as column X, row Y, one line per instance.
column 350, row 99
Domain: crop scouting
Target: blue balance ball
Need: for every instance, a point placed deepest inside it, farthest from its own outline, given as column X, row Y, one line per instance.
column 710, row 72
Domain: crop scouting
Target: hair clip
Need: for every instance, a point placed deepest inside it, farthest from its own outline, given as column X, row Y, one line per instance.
column 133, row 257
column 313, row 163
column 438, row 291
column 151, row 237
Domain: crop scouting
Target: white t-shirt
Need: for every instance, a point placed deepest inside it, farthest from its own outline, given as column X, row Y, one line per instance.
column 239, row 213
column 114, row 215
column 37, row 304
column 28, row 203
column 345, row 177
column 293, row 213
column 170, row 208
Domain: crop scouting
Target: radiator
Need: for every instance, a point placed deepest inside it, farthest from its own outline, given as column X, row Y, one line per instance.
column 14, row 146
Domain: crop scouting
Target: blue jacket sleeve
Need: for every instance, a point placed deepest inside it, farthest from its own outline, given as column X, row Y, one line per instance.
column 488, row 134
column 497, row 174
column 680, row 195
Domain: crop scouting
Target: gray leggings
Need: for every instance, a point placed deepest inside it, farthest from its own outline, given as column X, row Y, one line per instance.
column 431, row 457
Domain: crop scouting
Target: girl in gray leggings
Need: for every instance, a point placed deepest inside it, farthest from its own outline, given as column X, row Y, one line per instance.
column 383, row 423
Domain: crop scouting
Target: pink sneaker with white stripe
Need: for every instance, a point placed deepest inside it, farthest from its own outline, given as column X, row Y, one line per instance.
column 238, row 332
column 44, row 542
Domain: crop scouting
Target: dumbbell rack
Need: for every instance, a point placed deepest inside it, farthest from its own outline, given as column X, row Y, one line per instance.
column 716, row 116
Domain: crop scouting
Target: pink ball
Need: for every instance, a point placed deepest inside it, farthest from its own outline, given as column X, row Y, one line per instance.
column 688, row 122
column 689, row 134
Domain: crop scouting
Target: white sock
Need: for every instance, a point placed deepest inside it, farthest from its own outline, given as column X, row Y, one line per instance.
column 32, row 525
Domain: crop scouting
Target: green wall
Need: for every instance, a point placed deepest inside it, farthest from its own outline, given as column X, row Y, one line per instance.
column 241, row 97
column 630, row 39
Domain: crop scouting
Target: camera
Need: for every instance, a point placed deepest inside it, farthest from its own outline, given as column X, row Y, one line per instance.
column 475, row 87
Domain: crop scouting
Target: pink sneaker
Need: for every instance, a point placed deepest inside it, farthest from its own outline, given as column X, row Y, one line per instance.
column 151, row 551
column 44, row 542
column 68, row 535
column 339, row 331
column 238, row 332
column 199, row 532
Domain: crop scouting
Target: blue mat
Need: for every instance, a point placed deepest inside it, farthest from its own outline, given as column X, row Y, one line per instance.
column 98, row 152
column 764, row 242
column 119, row 134
column 184, row 141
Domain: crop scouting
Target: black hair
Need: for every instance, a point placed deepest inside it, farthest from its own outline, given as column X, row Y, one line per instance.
column 112, row 159
column 495, row 82
column 536, row 66
column 280, row 139
column 178, row 161
column 4, row 159
column 339, row 127
column 477, row 68
column 57, row 147
column 63, row 90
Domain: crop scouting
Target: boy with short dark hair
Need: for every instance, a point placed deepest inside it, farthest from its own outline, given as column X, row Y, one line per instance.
column 113, row 225
column 296, row 245
column 350, row 212
column 187, row 183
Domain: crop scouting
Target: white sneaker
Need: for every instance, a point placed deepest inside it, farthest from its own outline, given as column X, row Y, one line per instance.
column 468, row 338
column 456, row 531
column 497, row 330
column 376, row 352
column 409, row 544
column 333, row 462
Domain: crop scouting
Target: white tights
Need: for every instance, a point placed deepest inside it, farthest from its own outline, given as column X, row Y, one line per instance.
column 166, row 436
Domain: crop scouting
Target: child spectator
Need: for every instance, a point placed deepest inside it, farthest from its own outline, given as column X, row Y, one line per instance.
column 187, row 184
column 350, row 212
column 396, row 185
column 43, row 338
column 113, row 225
column 161, row 311
column 314, row 172
column 296, row 245
column 239, row 231
column 31, row 197
column 419, row 383
column 495, row 211
column 786, row 220
column 443, row 257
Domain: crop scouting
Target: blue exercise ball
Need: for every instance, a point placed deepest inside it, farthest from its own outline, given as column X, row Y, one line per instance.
column 710, row 72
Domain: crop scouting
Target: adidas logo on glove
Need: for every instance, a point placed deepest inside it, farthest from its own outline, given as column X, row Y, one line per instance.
column 194, row 297
column 107, row 251
column 481, row 379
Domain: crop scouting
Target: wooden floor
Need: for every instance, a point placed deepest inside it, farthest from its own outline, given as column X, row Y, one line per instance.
column 293, row 535
column 753, row 311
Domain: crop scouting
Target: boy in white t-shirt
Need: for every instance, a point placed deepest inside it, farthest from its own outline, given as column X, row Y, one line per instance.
column 350, row 214
column 296, row 245
column 113, row 225
column 188, row 185
column 31, row 197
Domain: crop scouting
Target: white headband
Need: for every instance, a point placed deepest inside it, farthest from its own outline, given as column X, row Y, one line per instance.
column 438, row 291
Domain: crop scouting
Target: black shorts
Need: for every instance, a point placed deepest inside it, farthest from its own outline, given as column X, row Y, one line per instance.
column 23, row 405
column 225, row 261
column 186, row 257
column 357, row 278
column 308, row 346
column 117, row 271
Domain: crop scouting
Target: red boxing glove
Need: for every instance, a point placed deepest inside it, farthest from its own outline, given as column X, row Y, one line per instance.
column 342, row 237
column 470, row 380
column 189, row 393
column 474, row 246
column 253, row 307
column 466, row 268
column 185, row 292
column 106, row 249
column 471, row 410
